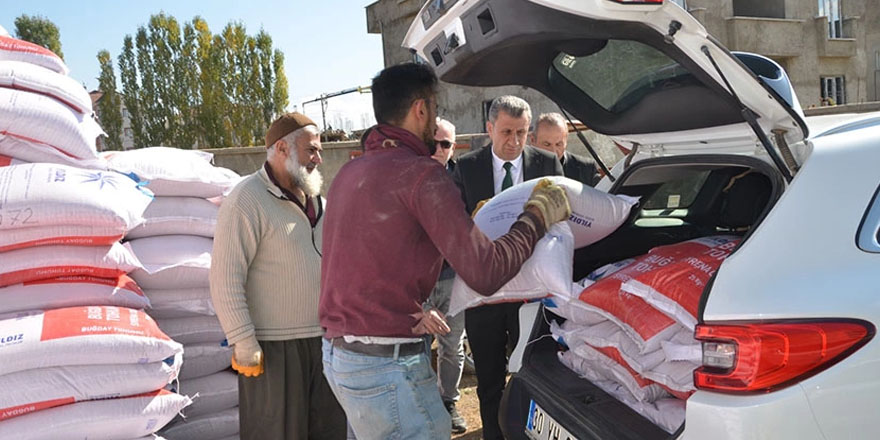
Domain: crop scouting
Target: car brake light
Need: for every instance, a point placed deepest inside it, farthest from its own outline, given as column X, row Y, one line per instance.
column 763, row 357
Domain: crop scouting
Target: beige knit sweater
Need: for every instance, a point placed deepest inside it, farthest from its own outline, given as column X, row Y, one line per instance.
column 266, row 266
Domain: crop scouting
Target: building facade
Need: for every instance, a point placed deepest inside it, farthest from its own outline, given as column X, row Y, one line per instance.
column 830, row 49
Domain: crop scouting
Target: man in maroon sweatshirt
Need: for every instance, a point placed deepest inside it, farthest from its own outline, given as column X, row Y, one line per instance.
column 393, row 215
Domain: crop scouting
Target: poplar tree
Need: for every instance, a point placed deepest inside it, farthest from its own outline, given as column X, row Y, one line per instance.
column 109, row 106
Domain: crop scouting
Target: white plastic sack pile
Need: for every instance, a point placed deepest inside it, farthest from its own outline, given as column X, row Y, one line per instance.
column 32, row 78
column 43, row 262
column 595, row 214
column 204, row 359
column 72, row 291
column 173, row 261
column 209, row 426
column 25, row 151
column 43, row 388
column 174, row 172
column 548, row 271
column 12, row 49
column 81, row 336
column 668, row 413
column 127, row 417
column 211, row 394
column 40, row 119
column 177, row 216
column 193, row 330
column 180, row 303
column 57, row 204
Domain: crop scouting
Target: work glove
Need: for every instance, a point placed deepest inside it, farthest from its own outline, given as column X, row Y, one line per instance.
column 550, row 201
column 247, row 357
column 478, row 207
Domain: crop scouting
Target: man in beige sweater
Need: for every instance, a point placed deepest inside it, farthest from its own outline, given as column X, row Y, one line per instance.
column 265, row 284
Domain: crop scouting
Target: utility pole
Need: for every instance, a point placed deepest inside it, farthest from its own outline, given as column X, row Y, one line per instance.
column 324, row 96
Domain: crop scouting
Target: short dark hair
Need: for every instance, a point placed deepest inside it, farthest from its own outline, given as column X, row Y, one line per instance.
column 395, row 88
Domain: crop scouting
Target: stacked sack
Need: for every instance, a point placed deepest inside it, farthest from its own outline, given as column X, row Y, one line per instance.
column 595, row 214
column 174, row 245
column 78, row 356
column 630, row 325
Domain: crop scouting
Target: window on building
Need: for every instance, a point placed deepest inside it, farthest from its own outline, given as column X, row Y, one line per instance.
column 125, row 113
column 759, row 8
column 833, row 90
column 127, row 133
column 831, row 9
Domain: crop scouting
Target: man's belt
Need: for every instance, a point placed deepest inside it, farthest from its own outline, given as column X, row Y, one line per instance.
column 380, row 350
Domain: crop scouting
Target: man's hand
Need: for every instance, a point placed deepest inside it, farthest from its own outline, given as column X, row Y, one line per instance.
column 430, row 321
column 550, row 201
column 479, row 206
column 247, row 357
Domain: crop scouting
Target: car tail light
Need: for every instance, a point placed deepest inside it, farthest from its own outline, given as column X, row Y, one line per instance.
column 762, row 357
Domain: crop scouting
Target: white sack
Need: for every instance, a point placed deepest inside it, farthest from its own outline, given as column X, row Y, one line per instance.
column 209, row 426
column 595, row 214
column 35, row 152
column 180, row 303
column 177, row 216
column 3, row 32
column 608, row 334
column 31, row 78
column 57, row 204
column 203, row 359
column 173, row 261
column 39, row 118
column 81, row 336
column 12, row 49
column 668, row 413
column 211, row 394
column 193, row 330
column 601, row 364
column 6, row 161
column 72, row 291
column 547, row 271
column 174, row 172
column 110, row 419
column 42, row 388
column 43, row 262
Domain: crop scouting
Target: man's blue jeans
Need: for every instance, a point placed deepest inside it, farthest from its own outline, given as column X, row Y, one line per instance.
column 386, row 397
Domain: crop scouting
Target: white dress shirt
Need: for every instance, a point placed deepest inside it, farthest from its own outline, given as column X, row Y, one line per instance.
column 516, row 171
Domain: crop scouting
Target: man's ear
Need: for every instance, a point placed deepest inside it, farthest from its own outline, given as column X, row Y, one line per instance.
column 488, row 127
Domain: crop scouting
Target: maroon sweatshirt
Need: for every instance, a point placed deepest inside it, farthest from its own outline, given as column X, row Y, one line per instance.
column 392, row 216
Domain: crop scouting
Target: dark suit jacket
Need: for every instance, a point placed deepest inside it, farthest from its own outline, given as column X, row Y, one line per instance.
column 580, row 169
column 473, row 172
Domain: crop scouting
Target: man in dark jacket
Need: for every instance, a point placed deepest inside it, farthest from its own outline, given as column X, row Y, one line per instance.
column 550, row 133
column 494, row 329
column 395, row 216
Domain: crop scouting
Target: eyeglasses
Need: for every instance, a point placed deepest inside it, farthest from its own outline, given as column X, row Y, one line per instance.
column 444, row 144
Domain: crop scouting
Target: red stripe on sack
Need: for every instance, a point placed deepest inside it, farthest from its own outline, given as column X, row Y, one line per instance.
column 25, row 138
column 16, row 45
column 614, row 355
column 98, row 320
column 96, row 240
column 122, row 282
column 72, row 106
column 5, row 161
column 42, row 273
column 20, row 410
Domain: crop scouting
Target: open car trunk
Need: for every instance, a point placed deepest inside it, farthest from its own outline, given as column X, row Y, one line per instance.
column 682, row 198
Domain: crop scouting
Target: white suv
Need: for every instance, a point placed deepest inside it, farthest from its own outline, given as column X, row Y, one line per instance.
column 787, row 322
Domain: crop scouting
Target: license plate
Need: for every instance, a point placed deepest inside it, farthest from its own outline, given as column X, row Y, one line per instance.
column 540, row 426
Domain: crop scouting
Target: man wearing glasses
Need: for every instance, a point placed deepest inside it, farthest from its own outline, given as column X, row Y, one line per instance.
column 450, row 351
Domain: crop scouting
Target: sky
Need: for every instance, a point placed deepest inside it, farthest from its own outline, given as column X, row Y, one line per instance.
column 325, row 42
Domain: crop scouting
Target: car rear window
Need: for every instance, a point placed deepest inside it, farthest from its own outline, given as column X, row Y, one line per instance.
column 622, row 73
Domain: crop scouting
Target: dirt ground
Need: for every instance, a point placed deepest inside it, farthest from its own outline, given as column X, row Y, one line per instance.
column 469, row 408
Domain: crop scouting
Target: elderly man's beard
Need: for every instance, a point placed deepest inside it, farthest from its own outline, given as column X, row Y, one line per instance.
column 309, row 182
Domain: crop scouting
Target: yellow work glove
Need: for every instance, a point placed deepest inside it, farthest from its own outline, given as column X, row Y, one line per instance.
column 479, row 205
column 551, row 201
column 247, row 357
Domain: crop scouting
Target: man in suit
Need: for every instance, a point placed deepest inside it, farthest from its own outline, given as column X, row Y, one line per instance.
column 494, row 329
column 550, row 133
